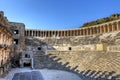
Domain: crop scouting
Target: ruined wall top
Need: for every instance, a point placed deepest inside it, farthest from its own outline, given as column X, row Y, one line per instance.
column 3, row 20
column 1, row 12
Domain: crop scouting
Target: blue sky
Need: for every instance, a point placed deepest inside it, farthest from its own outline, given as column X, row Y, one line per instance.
column 57, row 14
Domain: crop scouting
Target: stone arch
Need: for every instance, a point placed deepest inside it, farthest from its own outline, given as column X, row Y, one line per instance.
column 85, row 31
column 95, row 30
column 69, row 33
column 88, row 32
column 92, row 31
column 59, row 33
column 39, row 33
column 118, row 23
column 46, row 33
column 115, row 26
column 102, row 29
column 78, row 32
column 105, row 27
column 50, row 33
column 98, row 29
column 72, row 32
column 65, row 32
column 81, row 31
column 110, row 27
column 33, row 33
column 30, row 33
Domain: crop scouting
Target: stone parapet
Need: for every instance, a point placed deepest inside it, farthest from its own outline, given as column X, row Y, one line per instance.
column 92, row 30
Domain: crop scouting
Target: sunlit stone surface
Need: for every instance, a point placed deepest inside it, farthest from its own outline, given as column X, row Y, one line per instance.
column 44, row 74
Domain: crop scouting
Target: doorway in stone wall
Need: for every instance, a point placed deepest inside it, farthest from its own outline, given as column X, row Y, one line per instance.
column 27, row 64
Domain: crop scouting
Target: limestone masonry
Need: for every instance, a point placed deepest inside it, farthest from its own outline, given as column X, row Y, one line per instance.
column 91, row 52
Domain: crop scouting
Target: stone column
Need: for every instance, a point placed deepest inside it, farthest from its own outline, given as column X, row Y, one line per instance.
column 112, row 27
column 90, row 31
column 101, row 30
column 67, row 33
column 86, row 31
column 28, row 33
column 43, row 33
column 104, row 29
column 76, row 32
column 46, row 33
column 60, row 33
column 63, row 33
column 31, row 32
column 70, row 32
column 81, row 32
column 73, row 33
column 108, row 28
column 57, row 33
column 117, row 26
column 25, row 32
column 37, row 33
column 49, row 34
column 97, row 30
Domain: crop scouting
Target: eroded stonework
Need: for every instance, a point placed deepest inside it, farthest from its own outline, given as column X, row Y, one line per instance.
column 91, row 52
column 6, row 45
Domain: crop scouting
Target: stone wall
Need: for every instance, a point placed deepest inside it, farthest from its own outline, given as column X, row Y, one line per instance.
column 113, row 48
column 89, row 57
column 19, row 40
column 89, row 52
column 6, row 45
column 76, row 42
